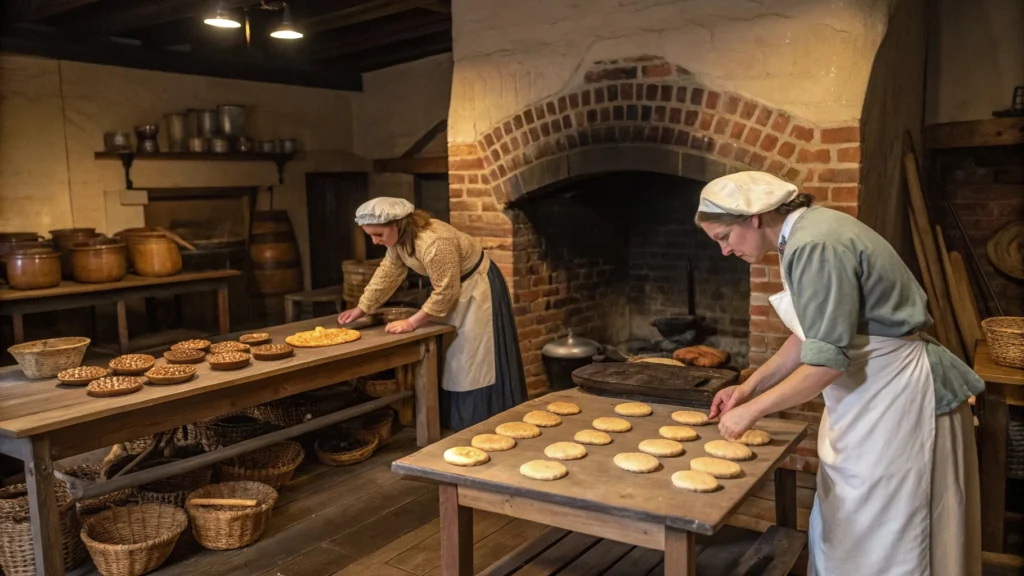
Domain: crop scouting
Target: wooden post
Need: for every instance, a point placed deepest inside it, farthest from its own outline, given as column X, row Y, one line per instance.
column 785, row 498
column 122, row 326
column 680, row 552
column 289, row 310
column 456, row 533
column 406, row 408
column 18, row 323
column 994, row 419
column 44, row 516
column 428, row 421
column 223, row 310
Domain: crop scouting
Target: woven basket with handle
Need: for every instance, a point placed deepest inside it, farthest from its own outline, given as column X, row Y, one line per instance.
column 133, row 540
column 274, row 465
column 1005, row 337
column 230, row 527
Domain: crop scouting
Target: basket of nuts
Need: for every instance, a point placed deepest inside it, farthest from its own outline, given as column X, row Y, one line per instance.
column 228, row 360
column 272, row 352
column 194, row 344
column 82, row 375
column 255, row 338
column 132, row 364
column 229, row 346
column 185, row 356
column 171, row 374
column 115, row 386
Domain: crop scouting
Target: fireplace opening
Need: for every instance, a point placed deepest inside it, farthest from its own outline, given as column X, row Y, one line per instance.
column 617, row 258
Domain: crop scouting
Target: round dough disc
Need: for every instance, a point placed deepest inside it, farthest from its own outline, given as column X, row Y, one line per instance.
column 716, row 467
column 518, row 430
column 678, row 433
column 694, row 481
column 542, row 418
column 728, row 450
column 636, row 462
column 690, row 417
column 595, row 437
column 609, row 424
column 661, row 447
column 565, row 451
column 492, row 442
column 465, row 456
column 755, row 438
column 543, row 470
column 563, row 408
column 633, row 409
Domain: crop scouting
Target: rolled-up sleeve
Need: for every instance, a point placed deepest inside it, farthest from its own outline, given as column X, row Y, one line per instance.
column 825, row 287
column 386, row 279
column 442, row 261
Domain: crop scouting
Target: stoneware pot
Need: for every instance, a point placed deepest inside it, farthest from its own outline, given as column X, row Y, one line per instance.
column 154, row 256
column 33, row 268
column 99, row 260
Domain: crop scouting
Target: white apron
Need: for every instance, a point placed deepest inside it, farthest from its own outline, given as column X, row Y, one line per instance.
column 469, row 358
column 874, row 507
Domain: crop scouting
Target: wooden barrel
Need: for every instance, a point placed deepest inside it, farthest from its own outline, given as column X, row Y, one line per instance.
column 356, row 276
column 274, row 254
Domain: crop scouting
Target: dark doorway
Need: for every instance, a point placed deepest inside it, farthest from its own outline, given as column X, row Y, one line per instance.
column 432, row 195
column 331, row 202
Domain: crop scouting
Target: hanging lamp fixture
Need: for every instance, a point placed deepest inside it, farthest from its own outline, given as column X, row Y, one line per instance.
column 221, row 18
column 286, row 29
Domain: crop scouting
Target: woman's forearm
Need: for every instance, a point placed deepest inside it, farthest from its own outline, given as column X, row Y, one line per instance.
column 419, row 319
column 804, row 384
column 777, row 368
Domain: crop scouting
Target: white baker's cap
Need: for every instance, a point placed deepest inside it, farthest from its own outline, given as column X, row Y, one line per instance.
column 383, row 210
column 745, row 194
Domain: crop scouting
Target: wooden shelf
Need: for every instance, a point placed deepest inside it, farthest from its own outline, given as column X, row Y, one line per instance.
column 974, row 133
column 128, row 158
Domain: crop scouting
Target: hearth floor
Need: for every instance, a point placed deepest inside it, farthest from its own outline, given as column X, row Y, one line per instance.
column 364, row 520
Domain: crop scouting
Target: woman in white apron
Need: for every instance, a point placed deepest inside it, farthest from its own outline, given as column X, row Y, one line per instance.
column 483, row 372
column 897, row 490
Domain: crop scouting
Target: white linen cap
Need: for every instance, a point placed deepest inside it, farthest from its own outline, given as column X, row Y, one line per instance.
column 745, row 194
column 383, row 210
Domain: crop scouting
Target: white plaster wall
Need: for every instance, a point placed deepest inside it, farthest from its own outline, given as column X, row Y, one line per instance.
column 53, row 115
column 812, row 57
column 975, row 58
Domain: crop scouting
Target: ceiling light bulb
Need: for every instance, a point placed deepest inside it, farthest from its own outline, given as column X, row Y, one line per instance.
column 286, row 30
column 222, row 19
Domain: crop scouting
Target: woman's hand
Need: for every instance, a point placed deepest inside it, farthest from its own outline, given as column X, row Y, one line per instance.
column 350, row 316
column 399, row 327
column 728, row 398
column 736, row 421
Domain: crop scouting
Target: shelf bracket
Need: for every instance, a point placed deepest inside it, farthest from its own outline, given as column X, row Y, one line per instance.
column 280, row 169
column 126, row 160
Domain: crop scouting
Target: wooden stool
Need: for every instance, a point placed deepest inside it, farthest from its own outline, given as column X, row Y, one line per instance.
column 293, row 302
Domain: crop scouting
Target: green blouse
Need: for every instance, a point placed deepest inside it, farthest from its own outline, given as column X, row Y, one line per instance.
column 846, row 280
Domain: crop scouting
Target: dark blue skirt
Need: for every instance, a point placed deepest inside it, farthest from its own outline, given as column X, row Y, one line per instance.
column 460, row 410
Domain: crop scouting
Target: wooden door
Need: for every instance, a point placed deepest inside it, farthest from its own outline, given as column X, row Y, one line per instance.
column 331, row 202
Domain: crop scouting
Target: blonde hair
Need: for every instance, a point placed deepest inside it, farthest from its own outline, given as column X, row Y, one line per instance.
column 802, row 200
column 409, row 227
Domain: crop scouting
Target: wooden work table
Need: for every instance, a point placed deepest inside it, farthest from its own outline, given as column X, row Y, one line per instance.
column 1004, row 386
column 598, row 498
column 17, row 303
column 42, row 420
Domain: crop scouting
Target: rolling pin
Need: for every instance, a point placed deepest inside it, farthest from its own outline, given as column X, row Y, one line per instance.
column 222, row 502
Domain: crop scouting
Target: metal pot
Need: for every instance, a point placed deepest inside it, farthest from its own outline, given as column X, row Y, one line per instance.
column 220, row 145
column 231, row 119
column 208, row 127
column 198, row 144
column 177, row 133
column 192, row 122
column 265, row 146
column 118, row 141
column 289, row 145
column 561, row 357
column 245, row 144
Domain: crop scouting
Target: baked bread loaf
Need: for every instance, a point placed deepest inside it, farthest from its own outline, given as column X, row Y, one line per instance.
column 703, row 356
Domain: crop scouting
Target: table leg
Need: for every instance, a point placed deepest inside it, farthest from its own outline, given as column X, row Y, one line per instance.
column 223, row 310
column 680, row 552
column 428, row 420
column 122, row 326
column 785, row 498
column 456, row 533
column 993, row 471
column 289, row 311
column 18, row 324
column 44, row 516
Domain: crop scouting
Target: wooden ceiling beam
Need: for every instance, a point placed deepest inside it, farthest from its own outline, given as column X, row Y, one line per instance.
column 380, row 36
column 143, row 15
column 18, row 11
column 366, row 11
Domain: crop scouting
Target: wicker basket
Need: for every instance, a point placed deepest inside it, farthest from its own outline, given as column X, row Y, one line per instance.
column 1005, row 337
column 133, row 540
column 274, row 465
column 229, row 430
column 296, row 409
column 230, row 527
column 47, row 358
column 379, row 388
column 1015, row 442
column 173, row 490
column 380, row 423
column 91, row 506
column 16, row 552
column 368, row 440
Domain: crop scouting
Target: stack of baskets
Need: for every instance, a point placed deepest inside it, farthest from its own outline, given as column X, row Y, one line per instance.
column 173, row 490
column 225, row 431
column 16, row 551
column 1005, row 337
column 274, row 465
column 135, row 539
column 92, row 506
column 296, row 409
column 224, row 527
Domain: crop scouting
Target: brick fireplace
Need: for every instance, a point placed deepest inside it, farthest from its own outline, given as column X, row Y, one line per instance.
column 629, row 115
